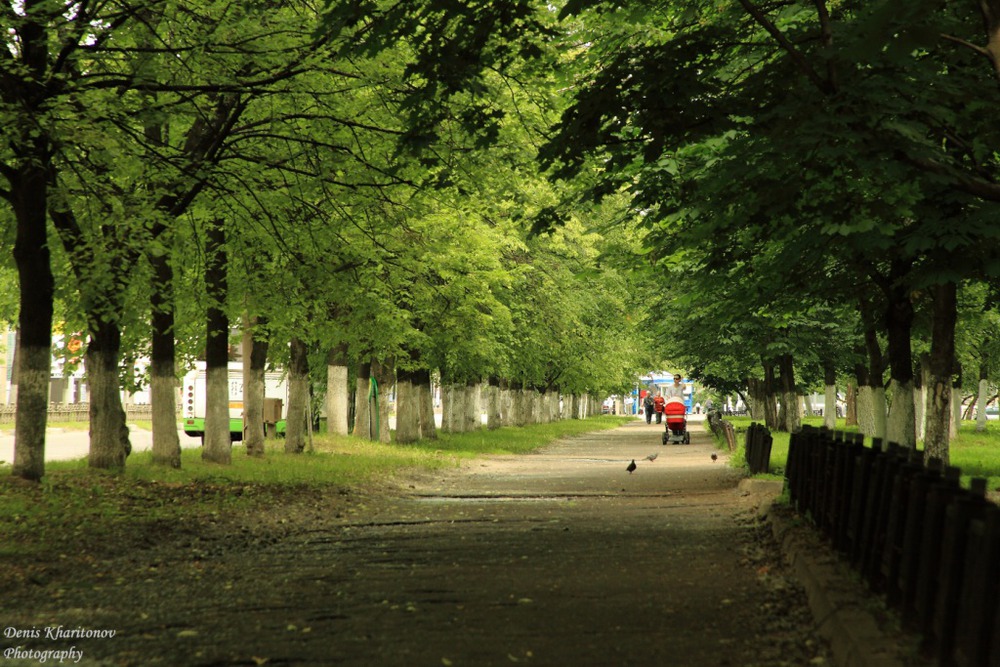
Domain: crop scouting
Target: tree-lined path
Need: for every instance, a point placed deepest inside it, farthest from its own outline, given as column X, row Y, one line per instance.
column 559, row 557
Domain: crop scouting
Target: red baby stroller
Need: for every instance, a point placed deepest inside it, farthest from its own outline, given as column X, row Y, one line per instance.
column 676, row 432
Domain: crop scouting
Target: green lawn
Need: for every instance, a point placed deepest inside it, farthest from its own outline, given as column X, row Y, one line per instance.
column 976, row 454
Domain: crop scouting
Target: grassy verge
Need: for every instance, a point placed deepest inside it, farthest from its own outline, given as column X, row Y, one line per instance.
column 76, row 508
column 977, row 454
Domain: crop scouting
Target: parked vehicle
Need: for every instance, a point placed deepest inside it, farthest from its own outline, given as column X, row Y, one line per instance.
column 193, row 397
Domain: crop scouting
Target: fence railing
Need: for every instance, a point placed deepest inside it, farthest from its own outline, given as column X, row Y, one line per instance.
column 758, row 448
column 930, row 546
column 722, row 428
column 67, row 412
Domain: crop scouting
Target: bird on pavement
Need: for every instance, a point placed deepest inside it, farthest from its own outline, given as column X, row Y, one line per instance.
column 631, row 467
column 652, row 457
column 714, row 457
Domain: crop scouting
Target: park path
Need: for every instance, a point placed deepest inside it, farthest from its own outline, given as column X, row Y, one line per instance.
column 556, row 558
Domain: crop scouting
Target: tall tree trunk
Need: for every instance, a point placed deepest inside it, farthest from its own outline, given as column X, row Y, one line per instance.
column 829, row 394
column 109, row 442
column 255, row 347
column 982, row 396
column 384, row 373
column 919, row 403
column 407, row 406
column 898, row 324
column 873, row 396
column 218, row 446
column 297, row 417
column 162, row 368
column 494, row 418
column 851, row 398
column 770, row 407
column 363, row 422
column 789, row 395
column 942, row 358
column 956, row 398
column 337, row 390
column 29, row 199
column 472, row 415
column 757, row 396
column 425, row 394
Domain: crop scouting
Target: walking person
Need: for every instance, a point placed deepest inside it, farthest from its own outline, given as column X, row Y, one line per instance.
column 647, row 404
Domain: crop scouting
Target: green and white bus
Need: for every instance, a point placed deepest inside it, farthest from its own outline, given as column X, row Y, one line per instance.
column 193, row 399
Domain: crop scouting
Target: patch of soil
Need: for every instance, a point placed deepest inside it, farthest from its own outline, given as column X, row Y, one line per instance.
column 555, row 558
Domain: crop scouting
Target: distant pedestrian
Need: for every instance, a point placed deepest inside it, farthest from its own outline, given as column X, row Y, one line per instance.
column 647, row 404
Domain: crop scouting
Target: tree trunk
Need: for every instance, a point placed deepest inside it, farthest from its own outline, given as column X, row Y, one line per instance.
column 770, row 407
column 472, row 414
column 879, row 412
column 866, row 411
column 109, row 442
column 901, row 424
column 981, row 400
column 898, row 323
column 494, row 418
column 758, row 398
column 919, row 402
column 830, row 395
column 218, row 442
column 337, row 391
column 425, row 388
column 363, row 423
column 407, row 407
column 255, row 347
column 872, row 397
column 29, row 200
column 851, row 412
column 162, row 369
column 956, row 397
column 789, row 395
column 942, row 357
column 384, row 373
column 297, row 416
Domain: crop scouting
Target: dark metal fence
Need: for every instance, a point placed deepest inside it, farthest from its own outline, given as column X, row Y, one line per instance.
column 930, row 546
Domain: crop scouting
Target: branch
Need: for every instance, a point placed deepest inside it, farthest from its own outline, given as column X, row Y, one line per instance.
column 823, row 12
column 977, row 187
column 800, row 60
column 969, row 45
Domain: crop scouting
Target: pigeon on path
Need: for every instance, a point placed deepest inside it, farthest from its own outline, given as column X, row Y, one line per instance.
column 714, row 457
column 652, row 457
column 631, row 467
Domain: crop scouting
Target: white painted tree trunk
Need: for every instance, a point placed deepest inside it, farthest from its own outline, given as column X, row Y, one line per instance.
column 830, row 406
column 866, row 416
column 526, row 401
column 297, row 419
column 918, row 413
column 338, row 399
column 879, row 412
column 494, row 411
column 981, row 406
column 407, row 411
column 472, row 415
column 956, row 412
column 31, row 373
column 900, row 427
column 425, row 394
column 218, row 445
